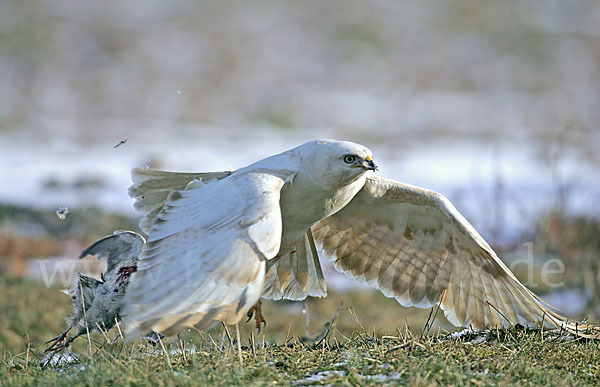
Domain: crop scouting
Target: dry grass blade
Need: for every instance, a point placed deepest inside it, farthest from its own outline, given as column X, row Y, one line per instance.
column 162, row 345
column 239, row 345
column 86, row 323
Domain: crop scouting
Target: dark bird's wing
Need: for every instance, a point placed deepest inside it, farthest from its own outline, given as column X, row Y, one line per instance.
column 120, row 246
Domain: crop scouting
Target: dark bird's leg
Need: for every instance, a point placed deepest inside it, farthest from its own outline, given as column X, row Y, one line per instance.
column 256, row 311
column 117, row 337
column 153, row 338
column 62, row 341
column 58, row 342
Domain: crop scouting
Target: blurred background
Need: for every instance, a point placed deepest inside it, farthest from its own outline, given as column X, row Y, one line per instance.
column 494, row 104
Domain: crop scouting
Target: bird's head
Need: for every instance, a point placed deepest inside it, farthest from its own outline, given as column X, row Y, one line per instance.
column 339, row 161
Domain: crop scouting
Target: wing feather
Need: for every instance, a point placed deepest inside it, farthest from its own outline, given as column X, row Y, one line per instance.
column 206, row 252
column 151, row 188
column 415, row 246
column 296, row 275
column 120, row 246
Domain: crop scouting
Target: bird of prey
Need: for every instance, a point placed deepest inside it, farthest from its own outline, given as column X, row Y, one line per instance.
column 218, row 241
column 98, row 303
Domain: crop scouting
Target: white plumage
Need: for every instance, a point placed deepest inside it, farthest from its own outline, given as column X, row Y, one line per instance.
column 219, row 241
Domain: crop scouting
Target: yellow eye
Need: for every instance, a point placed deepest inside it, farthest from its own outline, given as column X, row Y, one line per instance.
column 349, row 159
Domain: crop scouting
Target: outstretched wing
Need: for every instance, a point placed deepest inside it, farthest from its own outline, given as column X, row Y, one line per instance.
column 120, row 246
column 413, row 245
column 205, row 255
column 150, row 189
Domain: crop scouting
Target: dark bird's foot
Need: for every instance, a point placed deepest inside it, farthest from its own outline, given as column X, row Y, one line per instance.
column 153, row 338
column 59, row 342
column 258, row 316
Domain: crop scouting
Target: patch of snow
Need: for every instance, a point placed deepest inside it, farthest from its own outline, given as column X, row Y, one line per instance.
column 479, row 339
column 342, row 363
column 318, row 377
column 479, row 336
column 380, row 378
column 459, row 334
column 60, row 359
column 177, row 351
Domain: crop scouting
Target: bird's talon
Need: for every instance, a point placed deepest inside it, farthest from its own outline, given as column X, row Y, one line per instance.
column 258, row 325
column 256, row 312
column 59, row 342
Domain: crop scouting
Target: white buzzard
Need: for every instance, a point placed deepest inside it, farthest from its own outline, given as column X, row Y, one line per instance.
column 218, row 241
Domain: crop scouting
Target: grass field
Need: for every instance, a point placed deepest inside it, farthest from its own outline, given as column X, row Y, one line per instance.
column 373, row 341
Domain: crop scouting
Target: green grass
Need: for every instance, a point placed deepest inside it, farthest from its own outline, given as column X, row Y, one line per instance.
column 374, row 340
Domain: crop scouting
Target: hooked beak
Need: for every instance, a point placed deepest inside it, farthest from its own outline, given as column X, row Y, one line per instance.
column 369, row 164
